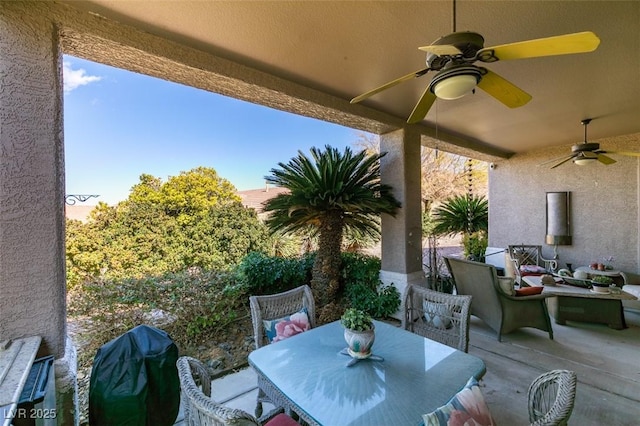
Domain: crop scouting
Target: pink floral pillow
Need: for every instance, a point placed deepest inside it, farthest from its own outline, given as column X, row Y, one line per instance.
column 532, row 270
column 466, row 408
column 281, row 328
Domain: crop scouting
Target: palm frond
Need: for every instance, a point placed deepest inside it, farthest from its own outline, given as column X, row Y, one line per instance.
column 330, row 181
column 460, row 214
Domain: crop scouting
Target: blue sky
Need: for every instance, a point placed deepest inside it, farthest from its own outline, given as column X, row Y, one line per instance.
column 119, row 125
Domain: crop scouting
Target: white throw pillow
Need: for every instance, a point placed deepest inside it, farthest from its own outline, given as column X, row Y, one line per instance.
column 438, row 314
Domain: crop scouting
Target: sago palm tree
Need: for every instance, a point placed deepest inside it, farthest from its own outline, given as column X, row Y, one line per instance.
column 330, row 193
column 461, row 214
column 468, row 215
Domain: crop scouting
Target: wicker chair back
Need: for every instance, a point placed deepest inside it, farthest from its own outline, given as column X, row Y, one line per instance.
column 551, row 397
column 437, row 316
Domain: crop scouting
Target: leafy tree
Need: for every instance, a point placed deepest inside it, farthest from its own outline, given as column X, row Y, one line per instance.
column 329, row 193
column 147, row 191
column 194, row 219
column 224, row 236
column 195, row 191
column 443, row 175
column 84, row 255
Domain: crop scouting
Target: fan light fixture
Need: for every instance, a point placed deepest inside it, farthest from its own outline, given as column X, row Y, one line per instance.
column 455, row 81
column 584, row 161
column 455, row 87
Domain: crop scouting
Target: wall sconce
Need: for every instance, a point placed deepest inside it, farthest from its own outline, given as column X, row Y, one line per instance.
column 558, row 220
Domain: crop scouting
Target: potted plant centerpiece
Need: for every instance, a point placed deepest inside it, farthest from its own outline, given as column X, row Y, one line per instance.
column 601, row 283
column 358, row 332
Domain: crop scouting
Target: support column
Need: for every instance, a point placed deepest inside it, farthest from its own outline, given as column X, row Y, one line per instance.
column 32, row 223
column 402, row 235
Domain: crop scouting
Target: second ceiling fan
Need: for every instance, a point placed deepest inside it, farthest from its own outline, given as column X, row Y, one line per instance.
column 587, row 152
column 453, row 57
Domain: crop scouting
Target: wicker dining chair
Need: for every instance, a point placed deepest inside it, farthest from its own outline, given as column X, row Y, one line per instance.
column 551, row 397
column 437, row 316
column 273, row 307
column 201, row 410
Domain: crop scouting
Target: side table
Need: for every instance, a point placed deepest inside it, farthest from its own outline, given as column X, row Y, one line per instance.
column 580, row 304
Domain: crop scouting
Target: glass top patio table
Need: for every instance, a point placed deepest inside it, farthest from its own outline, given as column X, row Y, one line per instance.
column 416, row 376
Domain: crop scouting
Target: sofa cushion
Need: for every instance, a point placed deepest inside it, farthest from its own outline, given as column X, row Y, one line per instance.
column 529, row 291
column 632, row 289
column 282, row 420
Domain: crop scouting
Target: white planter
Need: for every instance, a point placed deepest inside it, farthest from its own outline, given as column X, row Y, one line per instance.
column 359, row 342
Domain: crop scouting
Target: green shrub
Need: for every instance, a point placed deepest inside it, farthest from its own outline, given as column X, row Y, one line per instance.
column 360, row 268
column 259, row 274
column 360, row 280
column 381, row 301
column 193, row 302
column 363, row 288
column 475, row 245
column 443, row 284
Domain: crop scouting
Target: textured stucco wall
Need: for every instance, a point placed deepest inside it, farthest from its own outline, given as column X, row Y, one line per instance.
column 604, row 203
column 32, row 289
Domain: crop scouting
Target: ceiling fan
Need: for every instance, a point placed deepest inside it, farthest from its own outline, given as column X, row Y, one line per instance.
column 587, row 152
column 453, row 57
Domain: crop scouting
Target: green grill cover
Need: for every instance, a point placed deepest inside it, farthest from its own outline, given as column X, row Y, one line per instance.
column 134, row 380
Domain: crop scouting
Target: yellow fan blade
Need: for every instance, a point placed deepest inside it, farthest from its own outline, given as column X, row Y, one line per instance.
column 630, row 154
column 550, row 46
column 416, row 74
column 441, row 50
column 504, row 91
column 422, row 107
column 605, row 160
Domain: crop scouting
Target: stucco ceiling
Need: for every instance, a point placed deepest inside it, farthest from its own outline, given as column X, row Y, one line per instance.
column 345, row 48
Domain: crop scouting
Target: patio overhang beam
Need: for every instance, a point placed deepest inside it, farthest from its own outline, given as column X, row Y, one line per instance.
column 105, row 41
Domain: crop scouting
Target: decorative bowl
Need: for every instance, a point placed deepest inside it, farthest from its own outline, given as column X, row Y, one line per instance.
column 575, row 281
column 581, row 275
column 600, row 288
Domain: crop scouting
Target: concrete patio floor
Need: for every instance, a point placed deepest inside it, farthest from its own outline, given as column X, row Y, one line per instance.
column 606, row 361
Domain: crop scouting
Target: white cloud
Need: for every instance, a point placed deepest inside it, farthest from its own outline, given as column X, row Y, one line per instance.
column 76, row 78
